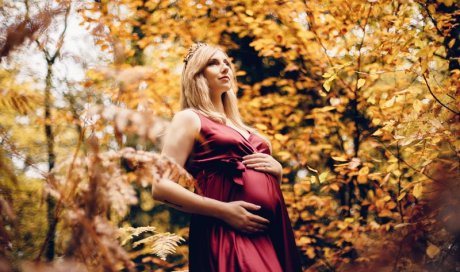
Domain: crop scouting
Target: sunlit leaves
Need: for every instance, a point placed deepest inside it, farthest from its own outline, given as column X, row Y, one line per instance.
column 340, row 96
column 432, row 250
column 418, row 190
column 360, row 83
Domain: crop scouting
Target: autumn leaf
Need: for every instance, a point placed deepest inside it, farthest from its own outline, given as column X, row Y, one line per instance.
column 323, row 176
column 432, row 250
column 390, row 102
column 360, row 83
column 339, row 158
column 418, row 190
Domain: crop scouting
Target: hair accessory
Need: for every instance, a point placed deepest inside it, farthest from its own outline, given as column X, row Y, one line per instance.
column 192, row 51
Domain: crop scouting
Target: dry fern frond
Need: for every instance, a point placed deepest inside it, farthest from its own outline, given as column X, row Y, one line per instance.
column 127, row 233
column 160, row 244
column 18, row 33
column 22, row 103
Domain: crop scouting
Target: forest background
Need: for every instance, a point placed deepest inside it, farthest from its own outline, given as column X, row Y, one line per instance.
column 359, row 99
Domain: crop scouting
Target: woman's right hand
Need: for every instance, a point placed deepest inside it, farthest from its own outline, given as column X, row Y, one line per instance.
column 237, row 214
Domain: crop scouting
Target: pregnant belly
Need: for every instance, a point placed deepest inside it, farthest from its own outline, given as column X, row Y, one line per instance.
column 261, row 189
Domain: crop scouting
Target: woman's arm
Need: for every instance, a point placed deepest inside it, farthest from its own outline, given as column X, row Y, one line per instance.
column 178, row 144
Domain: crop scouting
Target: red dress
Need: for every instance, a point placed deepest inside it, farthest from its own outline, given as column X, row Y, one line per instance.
column 215, row 162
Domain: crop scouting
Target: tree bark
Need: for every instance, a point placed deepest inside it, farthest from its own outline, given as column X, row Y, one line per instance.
column 50, row 201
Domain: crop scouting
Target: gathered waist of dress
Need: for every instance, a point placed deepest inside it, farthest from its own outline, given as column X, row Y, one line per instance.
column 231, row 166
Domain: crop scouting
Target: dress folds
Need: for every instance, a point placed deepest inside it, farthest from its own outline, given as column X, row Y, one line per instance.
column 216, row 164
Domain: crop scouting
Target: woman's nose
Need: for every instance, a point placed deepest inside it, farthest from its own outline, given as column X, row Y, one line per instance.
column 224, row 69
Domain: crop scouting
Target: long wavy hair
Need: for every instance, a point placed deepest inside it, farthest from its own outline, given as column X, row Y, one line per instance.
column 195, row 92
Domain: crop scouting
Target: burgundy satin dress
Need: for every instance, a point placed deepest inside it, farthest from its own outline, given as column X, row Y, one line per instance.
column 216, row 163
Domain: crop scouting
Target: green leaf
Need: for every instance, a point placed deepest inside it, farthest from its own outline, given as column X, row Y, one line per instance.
column 323, row 176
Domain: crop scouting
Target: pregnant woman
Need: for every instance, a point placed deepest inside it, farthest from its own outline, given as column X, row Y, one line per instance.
column 239, row 221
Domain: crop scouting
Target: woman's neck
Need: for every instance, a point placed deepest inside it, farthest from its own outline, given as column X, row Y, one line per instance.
column 218, row 103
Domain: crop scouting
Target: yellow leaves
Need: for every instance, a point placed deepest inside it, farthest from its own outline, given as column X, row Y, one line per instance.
column 300, row 188
column 387, row 198
column 331, row 75
column 339, row 158
column 418, row 190
column 432, row 250
column 311, row 252
column 281, row 137
column 432, row 8
column 389, row 103
column 385, row 213
column 362, row 175
column 261, row 127
column 249, row 12
column 95, row 75
column 329, row 80
column 292, row 67
column 360, row 83
column 448, row 3
column 334, row 187
column 417, row 105
column 391, row 205
column 323, row 109
column 401, row 196
column 377, row 132
column 306, row 35
column 376, row 121
column 248, row 20
column 241, row 73
column 363, row 171
column 323, row 176
column 284, row 155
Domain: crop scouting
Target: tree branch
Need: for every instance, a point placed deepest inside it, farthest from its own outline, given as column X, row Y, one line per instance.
column 434, row 96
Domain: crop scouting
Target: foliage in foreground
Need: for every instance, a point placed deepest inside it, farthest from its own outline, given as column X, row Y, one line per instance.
column 358, row 98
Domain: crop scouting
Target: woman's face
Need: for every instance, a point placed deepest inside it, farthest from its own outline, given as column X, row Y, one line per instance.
column 218, row 73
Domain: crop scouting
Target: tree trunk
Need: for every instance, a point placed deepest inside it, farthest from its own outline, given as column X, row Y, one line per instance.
column 50, row 201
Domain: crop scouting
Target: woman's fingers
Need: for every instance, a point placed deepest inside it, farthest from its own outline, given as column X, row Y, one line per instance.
column 258, row 226
column 259, row 165
column 255, row 160
column 249, row 206
column 253, row 217
column 255, row 155
column 258, row 219
column 255, row 228
column 244, row 220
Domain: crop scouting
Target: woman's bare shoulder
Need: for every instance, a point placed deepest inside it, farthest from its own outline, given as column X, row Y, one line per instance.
column 187, row 118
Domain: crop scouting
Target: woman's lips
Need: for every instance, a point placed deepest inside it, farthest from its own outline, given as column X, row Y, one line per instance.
column 224, row 77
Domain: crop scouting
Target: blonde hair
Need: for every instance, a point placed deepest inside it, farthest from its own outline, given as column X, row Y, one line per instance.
column 195, row 90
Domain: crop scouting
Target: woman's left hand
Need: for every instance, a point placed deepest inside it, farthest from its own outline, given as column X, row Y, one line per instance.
column 264, row 163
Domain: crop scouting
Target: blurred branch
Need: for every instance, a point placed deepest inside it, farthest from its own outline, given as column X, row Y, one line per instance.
column 311, row 22
column 433, row 20
column 434, row 96
column 405, row 162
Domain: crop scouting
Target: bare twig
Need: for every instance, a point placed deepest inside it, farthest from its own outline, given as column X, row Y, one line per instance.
column 434, row 96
